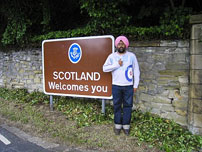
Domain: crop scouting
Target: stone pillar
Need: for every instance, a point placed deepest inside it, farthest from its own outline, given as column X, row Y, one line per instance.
column 195, row 90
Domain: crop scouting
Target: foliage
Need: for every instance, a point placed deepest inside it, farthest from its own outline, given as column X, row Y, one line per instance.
column 15, row 32
column 22, row 19
column 63, row 34
column 22, row 95
column 176, row 22
column 173, row 25
column 84, row 112
column 30, row 22
column 17, row 24
column 104, row 15
column 46, row 16
column 164, row 133
column 147, row 127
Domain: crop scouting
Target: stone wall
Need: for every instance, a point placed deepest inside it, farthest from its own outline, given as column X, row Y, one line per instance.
column 164, row 75
column 195, row 101
column 22, row 69
column 164, row 81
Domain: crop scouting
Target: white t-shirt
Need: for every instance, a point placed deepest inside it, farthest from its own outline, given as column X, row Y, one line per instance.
column 125, row 75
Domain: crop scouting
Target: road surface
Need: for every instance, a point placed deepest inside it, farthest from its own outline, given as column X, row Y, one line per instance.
column 9, row 142
column 14, row 140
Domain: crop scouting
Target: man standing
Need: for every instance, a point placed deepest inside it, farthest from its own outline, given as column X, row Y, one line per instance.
column 125, row 80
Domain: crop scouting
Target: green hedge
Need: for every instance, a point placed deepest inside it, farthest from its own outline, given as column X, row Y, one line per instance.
column 134, row 33
column 173, row 24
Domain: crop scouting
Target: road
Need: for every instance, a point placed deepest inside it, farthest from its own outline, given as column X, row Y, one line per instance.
column 9, row 142
column 14, row 140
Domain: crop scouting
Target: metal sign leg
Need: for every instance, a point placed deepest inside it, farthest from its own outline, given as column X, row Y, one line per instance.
column 51, row 102
column 103, row 106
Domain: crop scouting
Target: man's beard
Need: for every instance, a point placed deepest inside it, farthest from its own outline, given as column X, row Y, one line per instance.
column 121, row 50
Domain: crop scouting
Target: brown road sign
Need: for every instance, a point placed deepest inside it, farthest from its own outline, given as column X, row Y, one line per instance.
column 73, row 66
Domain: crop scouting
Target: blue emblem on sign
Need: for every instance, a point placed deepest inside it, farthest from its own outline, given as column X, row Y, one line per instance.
column 129, row 73
column 75, row 53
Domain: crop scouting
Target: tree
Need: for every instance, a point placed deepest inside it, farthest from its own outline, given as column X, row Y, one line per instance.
column 23, row 19
column 17, row 22
column 104, row 15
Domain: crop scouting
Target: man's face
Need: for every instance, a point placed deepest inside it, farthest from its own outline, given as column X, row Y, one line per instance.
column 121, row 47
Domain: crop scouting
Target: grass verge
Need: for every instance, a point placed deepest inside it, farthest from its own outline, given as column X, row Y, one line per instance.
column 79, row 122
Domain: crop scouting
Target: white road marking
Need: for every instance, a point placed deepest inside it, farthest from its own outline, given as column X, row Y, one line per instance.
column 4, row 140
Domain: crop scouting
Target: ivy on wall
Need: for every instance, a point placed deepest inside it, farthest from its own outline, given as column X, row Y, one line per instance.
column 30, row 22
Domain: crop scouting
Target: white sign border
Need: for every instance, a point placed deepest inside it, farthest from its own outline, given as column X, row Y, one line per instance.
column 74, row 38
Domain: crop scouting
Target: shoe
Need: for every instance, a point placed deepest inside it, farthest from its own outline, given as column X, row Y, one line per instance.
column 126, row 131
column 117, row 131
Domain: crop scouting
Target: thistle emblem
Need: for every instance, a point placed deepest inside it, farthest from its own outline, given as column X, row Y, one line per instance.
column 75, row 53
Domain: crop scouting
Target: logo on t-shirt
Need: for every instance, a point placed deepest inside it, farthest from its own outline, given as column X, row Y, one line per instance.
column 75, row 53
column 129, row 73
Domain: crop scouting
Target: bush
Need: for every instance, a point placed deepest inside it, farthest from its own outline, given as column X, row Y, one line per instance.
column 104, row 19
column 174, row 24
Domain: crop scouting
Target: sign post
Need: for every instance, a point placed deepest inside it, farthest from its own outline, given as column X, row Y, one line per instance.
column 73, row 67
column 103, row 106
column 51, row 102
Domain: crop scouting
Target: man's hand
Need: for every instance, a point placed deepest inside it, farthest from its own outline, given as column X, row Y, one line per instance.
column 134, row 89
column 120, row 62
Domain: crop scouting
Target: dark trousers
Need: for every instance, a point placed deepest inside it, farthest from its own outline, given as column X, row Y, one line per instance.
column 123, row 103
